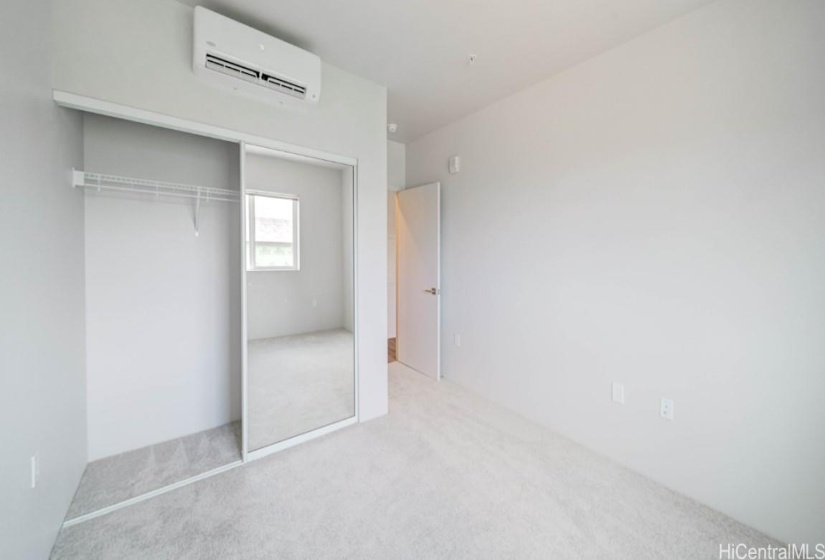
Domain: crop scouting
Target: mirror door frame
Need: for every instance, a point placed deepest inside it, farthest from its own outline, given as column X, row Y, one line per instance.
column 251, row 455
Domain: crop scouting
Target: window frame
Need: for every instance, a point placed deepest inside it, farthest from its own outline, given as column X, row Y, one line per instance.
column 251, row 244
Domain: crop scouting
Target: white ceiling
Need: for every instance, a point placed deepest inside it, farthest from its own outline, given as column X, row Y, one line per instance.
column 419, row 48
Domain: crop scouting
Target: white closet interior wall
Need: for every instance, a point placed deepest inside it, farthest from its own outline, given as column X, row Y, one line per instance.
column 312, row 298
column 162, row 305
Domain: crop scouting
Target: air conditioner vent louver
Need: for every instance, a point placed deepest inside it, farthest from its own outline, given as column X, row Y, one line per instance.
column 254, row 76
column 285, row 86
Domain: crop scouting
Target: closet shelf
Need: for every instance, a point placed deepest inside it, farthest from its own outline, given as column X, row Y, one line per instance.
column 103, row 182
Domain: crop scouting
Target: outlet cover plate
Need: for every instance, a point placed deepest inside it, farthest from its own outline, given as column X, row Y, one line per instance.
column 666, row 409
column 618, row 393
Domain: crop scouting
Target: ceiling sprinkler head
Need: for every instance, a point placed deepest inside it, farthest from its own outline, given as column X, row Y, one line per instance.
column 471, row 59
column 392, row 127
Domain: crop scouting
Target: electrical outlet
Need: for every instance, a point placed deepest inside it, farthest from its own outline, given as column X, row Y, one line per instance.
column 666, row 409
column 35, row 470
column 457, row 339
column 618, row 393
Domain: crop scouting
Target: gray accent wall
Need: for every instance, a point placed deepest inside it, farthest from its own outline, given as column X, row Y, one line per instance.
column 42, row 332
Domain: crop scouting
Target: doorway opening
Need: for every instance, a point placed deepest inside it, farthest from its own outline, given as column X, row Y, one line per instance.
column 415, row 220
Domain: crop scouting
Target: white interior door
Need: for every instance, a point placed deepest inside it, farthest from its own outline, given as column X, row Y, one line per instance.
column 419, row 279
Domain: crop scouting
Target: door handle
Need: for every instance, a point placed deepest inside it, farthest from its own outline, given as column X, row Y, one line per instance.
column 433, row 291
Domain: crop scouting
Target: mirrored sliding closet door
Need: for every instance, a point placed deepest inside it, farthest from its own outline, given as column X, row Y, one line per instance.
column 300, row 362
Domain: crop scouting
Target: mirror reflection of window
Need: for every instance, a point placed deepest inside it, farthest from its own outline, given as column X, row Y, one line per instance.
column 273, row 232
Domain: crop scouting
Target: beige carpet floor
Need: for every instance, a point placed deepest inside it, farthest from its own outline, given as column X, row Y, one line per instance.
column 444, row 475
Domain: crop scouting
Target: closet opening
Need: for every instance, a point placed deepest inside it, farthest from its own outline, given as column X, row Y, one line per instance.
column 163, row 309
column 221, row 303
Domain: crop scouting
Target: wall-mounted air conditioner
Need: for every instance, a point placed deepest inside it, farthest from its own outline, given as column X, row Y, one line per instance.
column 237, row 57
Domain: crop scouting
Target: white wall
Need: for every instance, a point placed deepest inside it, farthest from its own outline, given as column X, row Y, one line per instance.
column 396, row 165
column 396, row 180
column 311, row 299
column 138, row 53
column 42, row 349
column 162, row 305
column 392, row 304
column 656, row 216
